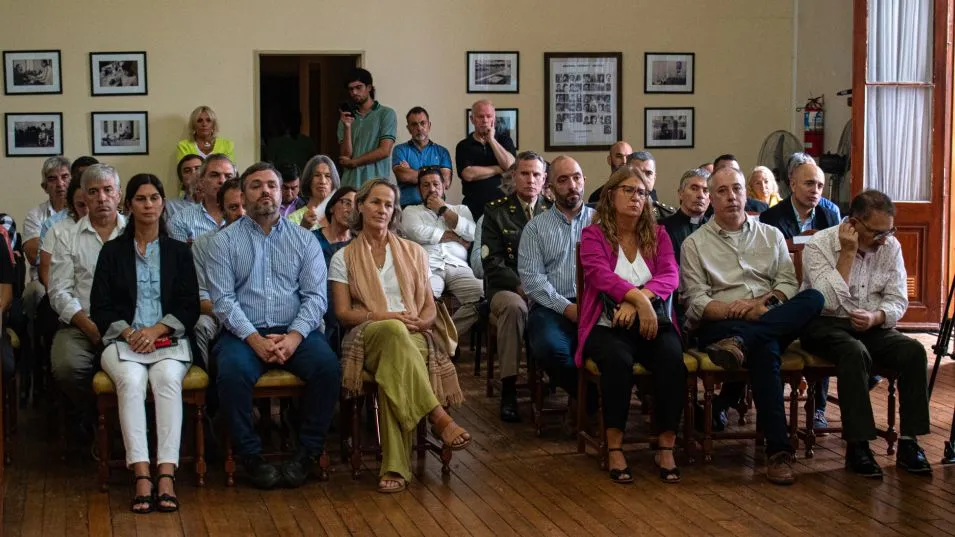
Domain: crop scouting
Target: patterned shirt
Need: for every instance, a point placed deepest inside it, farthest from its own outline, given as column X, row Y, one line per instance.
column 877, row 280
column 546, row 258
column 267, row 281
column 191, row 223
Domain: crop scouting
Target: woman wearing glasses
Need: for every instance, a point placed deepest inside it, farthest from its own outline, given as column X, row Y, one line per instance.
column 629, row 270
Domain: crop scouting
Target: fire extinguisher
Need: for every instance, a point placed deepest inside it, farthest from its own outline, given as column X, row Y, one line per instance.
column 814, row 125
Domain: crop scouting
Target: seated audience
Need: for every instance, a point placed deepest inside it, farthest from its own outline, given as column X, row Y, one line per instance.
column 546, row 263
column 320, row 181
column 802, row 210
column 615, row 159
column 644, row 161
column 197, row 220
column 739, row 286
column 858, row 268
column 55, row 180
column 627, row 258
column 420, row 151
column 333, row 237
column 474, row 258
column 187, row 170
column 76, row 346
column 762, row 186
column 446, row 232
column 694, row 203
column 504, row 222
column 727, row 160
column 144, row 302
column 75, row 209
column 204, row 139
column 267, row 280
column 382, row 293
column 76, row 171
column 291, row 186
column 482, row 157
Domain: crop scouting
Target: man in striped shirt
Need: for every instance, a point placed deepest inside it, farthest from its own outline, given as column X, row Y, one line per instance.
column 267, row 279
column 192, row 222
column 547, row 265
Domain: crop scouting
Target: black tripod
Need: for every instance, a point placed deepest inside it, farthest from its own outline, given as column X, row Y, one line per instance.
column 941, row 351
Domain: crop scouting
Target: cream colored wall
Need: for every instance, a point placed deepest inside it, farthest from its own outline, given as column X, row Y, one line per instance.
column 206, row 54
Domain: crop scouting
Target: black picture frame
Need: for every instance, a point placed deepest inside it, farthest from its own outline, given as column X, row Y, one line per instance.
column 583, row 100
column 111, row 138
column 506, row 65
column 28, row 147
column 118, row 73
column 22, row 76
column 662, row 128
column 501, row 114
column 662, row 72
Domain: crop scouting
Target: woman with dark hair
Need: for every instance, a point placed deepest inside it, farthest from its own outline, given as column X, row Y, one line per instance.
column 319, row 181
column 381, row 290
column 628, row 264
column 333, row 237
column 145, row 301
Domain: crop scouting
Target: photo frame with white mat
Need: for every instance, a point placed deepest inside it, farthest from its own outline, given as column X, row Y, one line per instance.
column 493, row 72
column 34, row 134
column 582, row 100
column 32, row 72
column 505, row 121
column 118, row 73
column 669, row 72
column 120, row 133
column 669, row 127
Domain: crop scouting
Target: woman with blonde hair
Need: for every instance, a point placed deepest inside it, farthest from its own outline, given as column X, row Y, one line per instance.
column 381, row 291
column 204, row 139
column 630, row 271
column 762, row 186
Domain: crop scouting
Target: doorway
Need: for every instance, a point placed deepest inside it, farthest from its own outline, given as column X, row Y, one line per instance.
column 299, row 97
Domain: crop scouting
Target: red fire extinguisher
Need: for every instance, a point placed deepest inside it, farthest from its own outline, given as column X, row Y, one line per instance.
column 814, row 126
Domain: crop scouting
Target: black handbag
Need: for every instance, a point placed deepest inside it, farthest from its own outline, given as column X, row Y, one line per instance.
column 660, row 307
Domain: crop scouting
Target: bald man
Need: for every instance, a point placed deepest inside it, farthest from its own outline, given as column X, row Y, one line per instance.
column 482, row 157
column 803, row 210
column 615, row 159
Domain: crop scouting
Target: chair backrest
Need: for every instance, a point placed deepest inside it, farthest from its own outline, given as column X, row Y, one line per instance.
column 795, row 252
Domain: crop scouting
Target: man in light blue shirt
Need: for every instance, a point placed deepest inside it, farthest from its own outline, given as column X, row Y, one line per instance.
column 267, row 280
column 416, row 153
column 546, row 262
column 366, row 132
column 196, row 220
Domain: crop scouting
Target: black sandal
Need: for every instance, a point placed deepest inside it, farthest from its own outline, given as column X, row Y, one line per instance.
column 623, row 476
column 166, row 498
column 148, row 500
column 667, row 475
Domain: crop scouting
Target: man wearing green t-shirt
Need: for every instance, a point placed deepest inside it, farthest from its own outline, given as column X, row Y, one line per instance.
column 366, row 132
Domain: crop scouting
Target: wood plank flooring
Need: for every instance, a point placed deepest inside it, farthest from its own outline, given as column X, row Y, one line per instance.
column 509, row 483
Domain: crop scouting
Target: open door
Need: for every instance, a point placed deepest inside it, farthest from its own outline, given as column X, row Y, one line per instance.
column 901, row 134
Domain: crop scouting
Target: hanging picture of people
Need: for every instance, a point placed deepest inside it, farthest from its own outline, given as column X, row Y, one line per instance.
column 582, row 103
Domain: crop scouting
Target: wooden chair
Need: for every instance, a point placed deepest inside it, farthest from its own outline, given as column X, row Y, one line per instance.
column 193, row 393
column 275, row 383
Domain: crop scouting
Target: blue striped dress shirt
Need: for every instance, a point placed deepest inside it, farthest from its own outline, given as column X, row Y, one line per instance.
column 546, row 259
column 265, row 281
column 190, row 223
column 200, row 257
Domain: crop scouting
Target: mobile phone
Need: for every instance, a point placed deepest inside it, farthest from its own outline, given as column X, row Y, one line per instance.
column 346, row 107
column 165, row 341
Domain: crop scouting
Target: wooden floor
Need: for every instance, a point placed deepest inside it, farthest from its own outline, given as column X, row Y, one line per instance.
column 511, row 483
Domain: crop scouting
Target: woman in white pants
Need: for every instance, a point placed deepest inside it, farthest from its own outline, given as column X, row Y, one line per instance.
column 145, row 301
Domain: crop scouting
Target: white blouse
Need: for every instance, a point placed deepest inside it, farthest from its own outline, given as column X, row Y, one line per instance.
column 338, row 272
column 637, row 273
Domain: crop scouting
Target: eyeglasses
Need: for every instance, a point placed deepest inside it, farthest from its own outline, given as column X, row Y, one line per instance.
column 629, row 191
column 876, row 234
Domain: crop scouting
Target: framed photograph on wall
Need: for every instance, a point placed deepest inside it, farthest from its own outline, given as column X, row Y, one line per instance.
column 493, row 72
column 582, row 100
column 31, row 72
column 120, row 133
column 669, row 127
column 505, row 121
column 118, row 73
column 669, row 72
column 34, row 135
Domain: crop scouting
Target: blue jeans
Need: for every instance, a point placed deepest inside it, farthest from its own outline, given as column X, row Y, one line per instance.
column 239, row 368
column 552, row 339
column 764, row 340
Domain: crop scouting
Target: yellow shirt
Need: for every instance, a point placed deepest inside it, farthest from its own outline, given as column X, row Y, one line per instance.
column 774, row 199
column 222, row 145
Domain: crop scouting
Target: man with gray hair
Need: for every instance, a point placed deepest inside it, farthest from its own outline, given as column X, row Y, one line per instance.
column 55, row 178
column 694, row 202
column 195, row 221
column 75, row 254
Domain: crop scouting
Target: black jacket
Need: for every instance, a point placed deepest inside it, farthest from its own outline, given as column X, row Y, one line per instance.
column 113, row 297
column 504, row 221
column 679, row 227
column 782, row 217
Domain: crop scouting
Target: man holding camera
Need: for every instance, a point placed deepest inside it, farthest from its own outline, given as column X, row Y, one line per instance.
column 366, row 132
column 482, row 158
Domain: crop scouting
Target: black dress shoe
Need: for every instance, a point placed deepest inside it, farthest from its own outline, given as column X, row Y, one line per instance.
column 263, row 475
column 911, row 457
column 509, row 410
column 297, row 469
column 859, row 460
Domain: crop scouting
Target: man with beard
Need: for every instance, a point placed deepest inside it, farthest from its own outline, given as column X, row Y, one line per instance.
column 417, row 153
column 195, row 221
column 858, row 268
column 482, row 158
column 615, row 159
column 268, row 280
column 366, row 132
column 547, row 265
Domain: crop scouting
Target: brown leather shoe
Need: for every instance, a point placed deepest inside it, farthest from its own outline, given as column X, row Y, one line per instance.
column 727, row 353
column 779, row 469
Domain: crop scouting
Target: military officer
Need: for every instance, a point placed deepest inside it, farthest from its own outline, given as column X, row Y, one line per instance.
column 504, row 220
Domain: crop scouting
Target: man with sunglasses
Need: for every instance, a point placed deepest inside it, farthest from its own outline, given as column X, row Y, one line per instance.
column 858, row 268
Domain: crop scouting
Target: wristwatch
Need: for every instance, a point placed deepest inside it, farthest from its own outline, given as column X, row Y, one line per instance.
column 442, row 210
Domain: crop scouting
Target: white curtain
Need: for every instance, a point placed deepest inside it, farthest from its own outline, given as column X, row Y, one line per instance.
column 898, row 126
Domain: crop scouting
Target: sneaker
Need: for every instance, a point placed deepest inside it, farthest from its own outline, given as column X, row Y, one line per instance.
column 727, row 353
column 859, row 460
column 779, row 469
column 874, row 381
column 911, row 458
column 820, row 422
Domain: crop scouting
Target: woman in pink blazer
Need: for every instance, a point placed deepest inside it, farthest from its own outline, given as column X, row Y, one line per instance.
column 628, row 264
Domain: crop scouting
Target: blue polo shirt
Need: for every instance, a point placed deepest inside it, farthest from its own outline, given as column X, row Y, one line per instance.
column 432, row 155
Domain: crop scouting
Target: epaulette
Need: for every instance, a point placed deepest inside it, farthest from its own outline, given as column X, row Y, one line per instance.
column 497, row 202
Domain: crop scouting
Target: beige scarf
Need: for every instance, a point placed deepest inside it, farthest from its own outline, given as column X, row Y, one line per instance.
column 368, row 295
